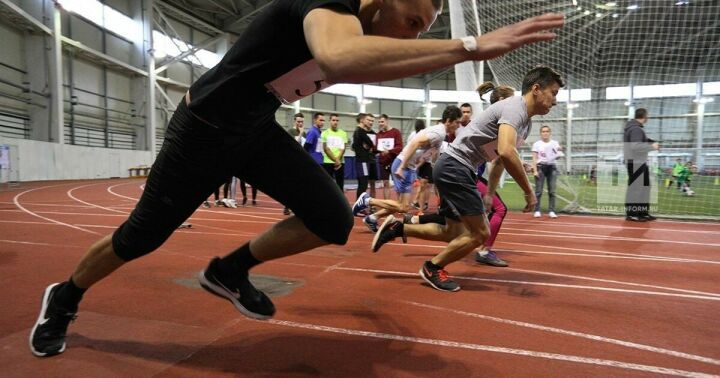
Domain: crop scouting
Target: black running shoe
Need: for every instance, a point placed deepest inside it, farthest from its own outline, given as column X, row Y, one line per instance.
column 438, row 278
column 388, row 231
column 47, row 337
column 250, row 301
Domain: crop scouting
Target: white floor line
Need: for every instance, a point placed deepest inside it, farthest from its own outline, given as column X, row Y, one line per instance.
column 614, row 281
column 597, row 256
column 567, row 235
column 33, row 243
column 49, row 204
column 621, row 219
column 83, row 214
column 239, row 214
column 539, row 283
column 16, row 201
column 555, row 223
column 28, row 222
column 594, row 253
column 125, row 215
column 184, row 231
column 200, row 228
column 110, row 190
column 69, row 194
column 561, row 331
column 491, row 348
column 603, row 252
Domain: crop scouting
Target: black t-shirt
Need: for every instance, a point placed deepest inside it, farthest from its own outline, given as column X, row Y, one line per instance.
column 241, row 89
column 363, row 145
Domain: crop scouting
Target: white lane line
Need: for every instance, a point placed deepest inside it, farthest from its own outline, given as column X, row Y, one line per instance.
column 48, row 204
column 602, row 252
column 201, row 229
column 658, row 259
column 491, row 348
column 33, row 243
column 621, row 219
column 540, row 283
column 16, row 201
column 70, row 194
column 83, row 214
column 26, row 222
column 613, row 281
column 185, row 231
column 567, row 235
column 554, row 223
column 110, row 190
column 125, row 215
column 561, row 331
column 592, row 253
column 202, row 210
column 238, row 214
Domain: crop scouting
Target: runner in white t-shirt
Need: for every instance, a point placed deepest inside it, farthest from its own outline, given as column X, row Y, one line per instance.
column 545, row 153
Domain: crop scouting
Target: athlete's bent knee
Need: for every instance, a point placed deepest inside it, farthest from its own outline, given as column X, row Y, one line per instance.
column 131, row 244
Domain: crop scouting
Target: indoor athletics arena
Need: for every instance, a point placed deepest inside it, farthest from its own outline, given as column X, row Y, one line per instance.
column 360, row 188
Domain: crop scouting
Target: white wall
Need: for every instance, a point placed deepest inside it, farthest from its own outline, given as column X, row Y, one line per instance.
column 50, row 161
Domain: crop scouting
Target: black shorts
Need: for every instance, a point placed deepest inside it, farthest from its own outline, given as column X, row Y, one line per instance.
column 197, row 158
column 425, row 171
column 456, row 185
column 367, row 169
column 385, row 171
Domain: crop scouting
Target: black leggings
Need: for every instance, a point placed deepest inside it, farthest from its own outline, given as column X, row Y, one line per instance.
column 226, row 188
column 196, row 159
column 243, row 190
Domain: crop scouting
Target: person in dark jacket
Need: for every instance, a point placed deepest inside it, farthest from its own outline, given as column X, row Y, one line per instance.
column 636, row 147
column 363, row 143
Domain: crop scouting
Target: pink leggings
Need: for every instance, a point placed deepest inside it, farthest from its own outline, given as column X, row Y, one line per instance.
column 497, row 213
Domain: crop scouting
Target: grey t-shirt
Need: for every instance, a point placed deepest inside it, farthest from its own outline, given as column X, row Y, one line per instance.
column 476, row 143
column 436, row 135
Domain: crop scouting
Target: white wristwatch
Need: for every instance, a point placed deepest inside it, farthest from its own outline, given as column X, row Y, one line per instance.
column 469, row 43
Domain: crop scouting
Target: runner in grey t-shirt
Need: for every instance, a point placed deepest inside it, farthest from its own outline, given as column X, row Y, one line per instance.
column 477, row 142
column 493, row 133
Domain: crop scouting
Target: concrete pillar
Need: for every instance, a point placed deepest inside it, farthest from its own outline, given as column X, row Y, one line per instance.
column 466, row 78
column 43, row 55
column 143, row 88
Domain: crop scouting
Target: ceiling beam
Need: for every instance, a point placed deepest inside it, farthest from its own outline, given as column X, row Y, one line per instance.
column 206, row 43
column 246, row 17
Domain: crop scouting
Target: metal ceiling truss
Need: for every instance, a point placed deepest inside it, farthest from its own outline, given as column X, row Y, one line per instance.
column 187, row 18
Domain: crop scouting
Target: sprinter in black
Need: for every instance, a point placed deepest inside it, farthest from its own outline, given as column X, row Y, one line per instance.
column 225, row 126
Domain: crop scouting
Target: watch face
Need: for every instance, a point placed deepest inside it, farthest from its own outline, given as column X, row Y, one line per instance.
column 469, row 43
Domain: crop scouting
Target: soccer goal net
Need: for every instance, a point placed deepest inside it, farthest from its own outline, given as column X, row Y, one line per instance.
column 616, row 57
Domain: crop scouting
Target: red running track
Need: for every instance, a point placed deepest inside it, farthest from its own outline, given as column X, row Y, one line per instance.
column 584, row 296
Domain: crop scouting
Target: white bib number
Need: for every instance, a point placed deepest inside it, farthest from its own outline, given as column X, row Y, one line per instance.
column 386, row 144
column 301, row 81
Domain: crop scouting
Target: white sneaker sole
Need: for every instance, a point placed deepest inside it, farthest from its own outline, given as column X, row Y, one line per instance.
column 41, row 317
column 382, row 227
column 223, row 293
